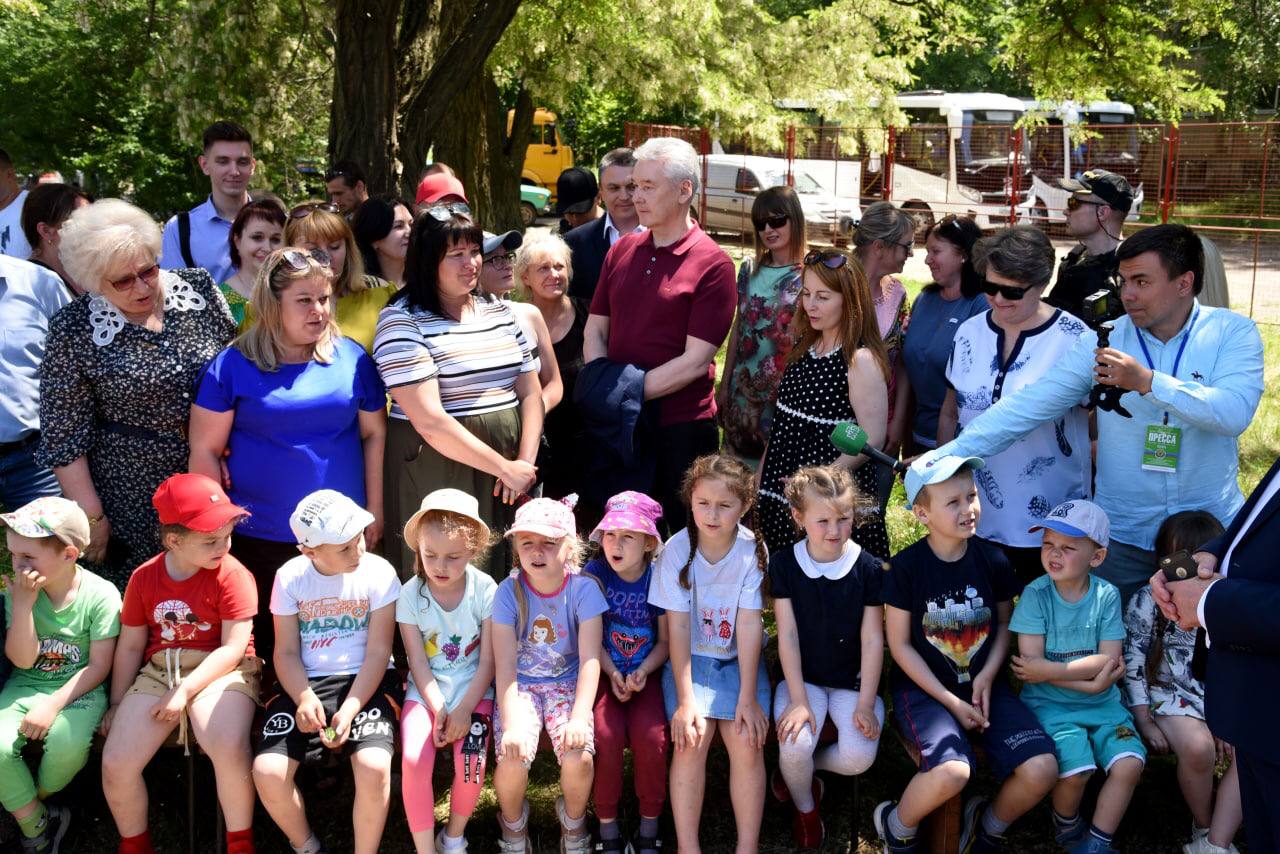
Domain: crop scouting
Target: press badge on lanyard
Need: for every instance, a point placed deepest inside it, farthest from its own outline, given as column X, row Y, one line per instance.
column 1163, row 444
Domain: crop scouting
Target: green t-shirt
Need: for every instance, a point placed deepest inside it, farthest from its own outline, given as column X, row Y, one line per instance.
column 65, row 635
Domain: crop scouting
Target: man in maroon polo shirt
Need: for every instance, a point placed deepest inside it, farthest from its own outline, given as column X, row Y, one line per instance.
column 664, row 303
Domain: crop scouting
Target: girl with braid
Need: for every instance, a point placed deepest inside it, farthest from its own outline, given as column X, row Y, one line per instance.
column 709, row 580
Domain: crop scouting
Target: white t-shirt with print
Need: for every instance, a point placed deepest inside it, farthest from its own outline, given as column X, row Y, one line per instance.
column 333, row 610
column 1047, row 466
column 716, row 592
column 451, row 639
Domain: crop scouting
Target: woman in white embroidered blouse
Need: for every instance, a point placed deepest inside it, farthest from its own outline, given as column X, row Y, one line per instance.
column 118, row 377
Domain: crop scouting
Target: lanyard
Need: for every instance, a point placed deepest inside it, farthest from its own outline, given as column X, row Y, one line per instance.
column 1177, row 359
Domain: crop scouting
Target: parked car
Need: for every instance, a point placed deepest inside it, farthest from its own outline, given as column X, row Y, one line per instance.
column 534, row 202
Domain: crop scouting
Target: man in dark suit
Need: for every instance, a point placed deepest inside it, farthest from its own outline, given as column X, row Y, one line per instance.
column 589, row 243
column 1236, row 600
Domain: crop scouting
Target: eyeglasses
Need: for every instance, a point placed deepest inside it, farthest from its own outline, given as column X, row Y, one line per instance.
column 443, row 212
column 504, row 260
column 828, row 258
column 990, row 288
column 147, row 276
column 1074, row 203
column 309, row 208
column 774, row 221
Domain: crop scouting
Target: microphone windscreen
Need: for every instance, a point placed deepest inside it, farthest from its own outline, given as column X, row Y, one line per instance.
column 849, row 438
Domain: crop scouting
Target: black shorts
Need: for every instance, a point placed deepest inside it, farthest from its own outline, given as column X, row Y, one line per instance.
column 374, row 726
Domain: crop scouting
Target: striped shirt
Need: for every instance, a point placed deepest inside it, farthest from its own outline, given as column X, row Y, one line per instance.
column 476, row 361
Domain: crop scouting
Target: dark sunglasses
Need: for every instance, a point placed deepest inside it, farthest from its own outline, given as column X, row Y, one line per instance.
column 1074, row 203
column 442, row 212
column 774, row 221
column 147, row 276
column 826, row 257
column 1007, row 291
column 309, row 208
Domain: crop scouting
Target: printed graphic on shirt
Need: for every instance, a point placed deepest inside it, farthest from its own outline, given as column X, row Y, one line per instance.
column 328, row 619
column 958, row 629
column 451, row 649
column 177, row 622
column 538, row 655
column 57, row 655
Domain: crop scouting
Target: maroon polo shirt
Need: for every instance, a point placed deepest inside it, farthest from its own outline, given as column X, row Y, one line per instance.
column 655, row 297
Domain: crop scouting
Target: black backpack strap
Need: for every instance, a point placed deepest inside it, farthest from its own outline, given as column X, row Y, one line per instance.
column 184, row 238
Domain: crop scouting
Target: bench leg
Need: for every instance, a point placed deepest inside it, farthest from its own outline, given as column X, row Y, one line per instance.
column 191, row 803
column 942, row 827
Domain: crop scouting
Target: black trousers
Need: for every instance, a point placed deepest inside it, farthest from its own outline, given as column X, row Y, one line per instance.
column 263, row 558
column 1260, row 797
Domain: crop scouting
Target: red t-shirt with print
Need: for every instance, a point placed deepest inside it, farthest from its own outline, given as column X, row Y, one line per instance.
column 188, row 614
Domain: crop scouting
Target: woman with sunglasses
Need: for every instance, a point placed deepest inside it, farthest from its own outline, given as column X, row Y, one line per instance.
column 358, row 296
column 1013, row 345
column 381, row 226
column 300, row 408
column 119, row 369
column 837, row 371
column 954, row 297
column 256, row 232
column 466, row 406
column 768, row 288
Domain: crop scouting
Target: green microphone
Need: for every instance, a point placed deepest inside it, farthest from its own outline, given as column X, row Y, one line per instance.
column 851, row 439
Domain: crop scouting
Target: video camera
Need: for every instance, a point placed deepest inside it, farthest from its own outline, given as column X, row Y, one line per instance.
column 1100, row 308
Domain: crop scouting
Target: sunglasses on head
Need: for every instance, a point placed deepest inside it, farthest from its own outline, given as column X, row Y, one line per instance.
column 990, row 288
column 299, row 259
column 309, row 208
column 774, row 221
column 443, row 211
column 1074, row 203
column 148, row 276
column 828, row 258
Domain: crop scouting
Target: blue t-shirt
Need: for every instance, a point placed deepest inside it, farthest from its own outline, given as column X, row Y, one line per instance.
column 1071, row 630
column 631, row 623
column 547, row 642
column 927, row 348
column 296, row 430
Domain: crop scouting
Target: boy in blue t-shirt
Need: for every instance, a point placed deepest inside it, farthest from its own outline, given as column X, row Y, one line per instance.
column 1070, row 645
column 948, row 601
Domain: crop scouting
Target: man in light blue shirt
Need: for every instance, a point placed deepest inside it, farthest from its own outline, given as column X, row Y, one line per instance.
column 1193, row 376
column 201, row 237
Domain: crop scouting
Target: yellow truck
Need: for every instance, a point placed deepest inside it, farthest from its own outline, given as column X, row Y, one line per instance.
column 546, row 156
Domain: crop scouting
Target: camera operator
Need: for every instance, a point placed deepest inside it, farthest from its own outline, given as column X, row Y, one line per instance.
column 1096, row 208
column 1191, row 376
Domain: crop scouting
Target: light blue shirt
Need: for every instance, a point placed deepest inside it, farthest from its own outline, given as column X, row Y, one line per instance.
column 1213, row 398
column 210, row 242
column 29, row 296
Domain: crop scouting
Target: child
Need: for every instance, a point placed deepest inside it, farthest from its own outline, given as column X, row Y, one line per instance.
column 185, row 658
column 708, row 580
column 1070, row 643
column 629, row 707
column 334, row 609
column 444, row 614
column 948, row 601
column 1167, row 701
column 826, row 595
column 546, row 650
column 63, row 621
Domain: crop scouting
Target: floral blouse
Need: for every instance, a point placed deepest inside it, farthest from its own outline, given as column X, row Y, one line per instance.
column 1175, row 691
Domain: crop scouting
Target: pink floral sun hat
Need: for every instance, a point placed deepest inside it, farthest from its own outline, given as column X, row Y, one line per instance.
column 629, row 511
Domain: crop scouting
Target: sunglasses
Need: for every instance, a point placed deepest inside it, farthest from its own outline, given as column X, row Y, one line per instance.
column 299, row 260
column 147, row 276
column 828, row 258
column 1074, row 204
column 1007, row 291
column 309, row 208
column 442, row 212
column 774, row 221
column 504, row 260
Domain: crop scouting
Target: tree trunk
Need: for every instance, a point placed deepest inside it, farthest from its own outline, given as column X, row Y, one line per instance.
column 363, row 117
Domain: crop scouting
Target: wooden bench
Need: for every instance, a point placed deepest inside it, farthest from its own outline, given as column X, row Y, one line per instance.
column 940, row 831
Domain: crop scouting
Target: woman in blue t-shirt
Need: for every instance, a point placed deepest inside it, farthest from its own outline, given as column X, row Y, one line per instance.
column 293, row 407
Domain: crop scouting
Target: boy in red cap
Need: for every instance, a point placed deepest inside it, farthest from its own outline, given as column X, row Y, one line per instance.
column 185, row 654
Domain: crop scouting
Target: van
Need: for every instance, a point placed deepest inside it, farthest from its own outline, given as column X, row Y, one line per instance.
column 546, row 157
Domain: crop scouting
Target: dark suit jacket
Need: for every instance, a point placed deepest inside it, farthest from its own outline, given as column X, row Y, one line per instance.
column 589, row 246
column 1242, row 618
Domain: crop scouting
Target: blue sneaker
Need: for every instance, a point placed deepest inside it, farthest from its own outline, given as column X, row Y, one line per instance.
column 1068, row 836
column 892, row 844
column 1092, row 845
column 973, row 839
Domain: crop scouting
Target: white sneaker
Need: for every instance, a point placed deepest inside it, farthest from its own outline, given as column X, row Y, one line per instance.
column 443, row 847
column 1200, row 844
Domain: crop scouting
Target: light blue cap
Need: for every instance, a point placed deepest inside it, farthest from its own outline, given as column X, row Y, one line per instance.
column 1078, row 518
column 930, row 470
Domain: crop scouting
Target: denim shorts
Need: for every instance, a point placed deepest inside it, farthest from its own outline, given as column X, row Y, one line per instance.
column 715, row 687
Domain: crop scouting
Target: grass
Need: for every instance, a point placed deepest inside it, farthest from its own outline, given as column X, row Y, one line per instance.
column 1157, row 820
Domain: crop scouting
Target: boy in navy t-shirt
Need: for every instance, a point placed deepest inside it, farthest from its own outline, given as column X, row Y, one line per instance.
column 949, row 599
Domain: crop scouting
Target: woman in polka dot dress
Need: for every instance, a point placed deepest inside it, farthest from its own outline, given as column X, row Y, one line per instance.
column 838, row 371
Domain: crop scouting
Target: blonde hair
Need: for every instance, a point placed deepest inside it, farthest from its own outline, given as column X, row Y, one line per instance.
column 740, row 480
column 858, row 324
column 320, row 227
column 540, row 243
column 572, row 566
column 104, row 233
column 451, row 525
column 261, row 342
column 829, row 483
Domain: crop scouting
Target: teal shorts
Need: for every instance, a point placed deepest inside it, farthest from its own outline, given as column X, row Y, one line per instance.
column 1086, row 737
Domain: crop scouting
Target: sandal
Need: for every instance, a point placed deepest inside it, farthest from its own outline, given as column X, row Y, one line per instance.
column 640, row 844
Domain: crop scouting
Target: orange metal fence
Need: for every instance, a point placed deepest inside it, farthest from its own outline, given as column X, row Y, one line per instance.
column 1222, row 178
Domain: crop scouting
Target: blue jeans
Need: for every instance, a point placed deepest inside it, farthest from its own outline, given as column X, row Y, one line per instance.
column 1128, row 568
column 22, row 479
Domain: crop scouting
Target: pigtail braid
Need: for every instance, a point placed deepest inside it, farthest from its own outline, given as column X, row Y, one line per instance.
column 693, row 550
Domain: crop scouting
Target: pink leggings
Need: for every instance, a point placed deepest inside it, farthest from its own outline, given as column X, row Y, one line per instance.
column 418, row 753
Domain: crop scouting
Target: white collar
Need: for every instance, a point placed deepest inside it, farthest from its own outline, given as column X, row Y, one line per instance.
column 833, row 571
column 611, row 231
column 106, row 321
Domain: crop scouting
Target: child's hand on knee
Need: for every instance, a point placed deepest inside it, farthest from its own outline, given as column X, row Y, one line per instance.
column 687, row 727
column 576, row 734
column 310, row 714
column 750, row 721
column 104, row 728
column 866, row 722
column 515, row 747
column 340, row 723
column 38, row 719
column 169, row 707
column 793, row 719
column 1151, row 733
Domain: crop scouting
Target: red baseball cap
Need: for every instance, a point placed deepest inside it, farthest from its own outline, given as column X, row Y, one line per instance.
column 196, row 502
column 435, row 187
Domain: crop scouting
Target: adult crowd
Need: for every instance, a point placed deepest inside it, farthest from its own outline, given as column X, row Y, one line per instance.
column 387, row 349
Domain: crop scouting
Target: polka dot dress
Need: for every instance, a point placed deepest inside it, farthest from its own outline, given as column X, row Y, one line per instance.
column 812, row 397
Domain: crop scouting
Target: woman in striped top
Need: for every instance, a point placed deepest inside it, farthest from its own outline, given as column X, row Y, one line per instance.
column 466, row 404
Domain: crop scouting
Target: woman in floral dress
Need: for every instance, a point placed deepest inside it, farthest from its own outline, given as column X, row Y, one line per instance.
column 761, row 337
